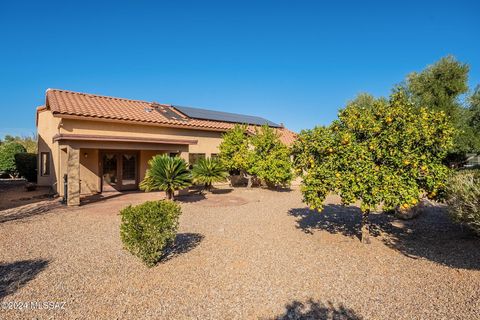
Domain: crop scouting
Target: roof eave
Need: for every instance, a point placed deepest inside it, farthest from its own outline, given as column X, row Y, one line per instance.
column 155, row 124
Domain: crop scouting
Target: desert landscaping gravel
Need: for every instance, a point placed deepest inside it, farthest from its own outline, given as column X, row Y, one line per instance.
column 245, row 254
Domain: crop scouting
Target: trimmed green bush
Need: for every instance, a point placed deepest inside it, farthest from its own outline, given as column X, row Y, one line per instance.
column 147, row 229
column 26, row 164
column 7, row 157
column 463, row 198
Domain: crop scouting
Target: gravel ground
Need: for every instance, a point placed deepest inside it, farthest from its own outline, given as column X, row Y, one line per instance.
column 248, row 254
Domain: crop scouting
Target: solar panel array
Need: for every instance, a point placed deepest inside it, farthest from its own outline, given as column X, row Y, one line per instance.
column 204, row 114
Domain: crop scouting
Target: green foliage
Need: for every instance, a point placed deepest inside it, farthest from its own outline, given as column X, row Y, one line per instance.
column 8, row 151
column 385, row 153
column 167, row 174
column 271, row 158
column 208, row 171
column 235, row 153
column 148, row 228
column 439, row 87
column 262, row 155
column 474, row 110
column 463, row 190
column 26, row 164
column 472, row 121
column 29, row 142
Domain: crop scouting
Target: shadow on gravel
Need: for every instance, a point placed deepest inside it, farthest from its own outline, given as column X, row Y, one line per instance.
column 340, row 219
column 104, row 196
column 279, row 189
column 297, row 310
column 184, row 242
column 15, row 275
column 191, row 198
column 221, row 191
column 432, row 235
column 27, row 211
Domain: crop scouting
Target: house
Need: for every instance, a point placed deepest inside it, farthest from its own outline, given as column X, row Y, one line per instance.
column 102, row 143
column 473, row 160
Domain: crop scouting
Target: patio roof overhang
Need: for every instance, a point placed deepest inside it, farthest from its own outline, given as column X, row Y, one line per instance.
column 104, row 138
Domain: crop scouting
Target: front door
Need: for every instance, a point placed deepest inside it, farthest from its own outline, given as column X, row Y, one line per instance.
column 119, row 170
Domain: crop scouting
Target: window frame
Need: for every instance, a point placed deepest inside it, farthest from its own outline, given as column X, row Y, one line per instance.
column 45, row 164
column 195, row 155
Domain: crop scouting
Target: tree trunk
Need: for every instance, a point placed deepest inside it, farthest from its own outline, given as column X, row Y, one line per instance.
column 169, row 194
column 365, row 227
column 249, row 181
column 249, row 178
column 207, row 187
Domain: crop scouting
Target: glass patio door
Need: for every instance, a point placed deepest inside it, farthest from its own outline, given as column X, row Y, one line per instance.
column 129, row 171
column 110, row 171
column 119, row 170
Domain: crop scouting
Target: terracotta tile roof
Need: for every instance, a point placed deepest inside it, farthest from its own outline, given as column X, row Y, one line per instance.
column 65, row 103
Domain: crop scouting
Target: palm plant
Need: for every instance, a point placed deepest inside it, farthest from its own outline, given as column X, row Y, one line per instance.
column 168, row 174
column 208, row 171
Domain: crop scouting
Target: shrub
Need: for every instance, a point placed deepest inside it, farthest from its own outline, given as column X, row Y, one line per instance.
column 463, row 198
column 167, row 174
column 26, row 164
column 208, row 171
column 148, row 228
column 7, row 157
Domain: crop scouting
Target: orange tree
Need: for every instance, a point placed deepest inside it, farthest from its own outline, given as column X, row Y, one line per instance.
column 236, row 152
column 270, row 158
column 385, row 153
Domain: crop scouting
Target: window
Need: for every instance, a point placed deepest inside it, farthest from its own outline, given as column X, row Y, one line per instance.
column 214, row 155
column 194, row 157
column 45, row 163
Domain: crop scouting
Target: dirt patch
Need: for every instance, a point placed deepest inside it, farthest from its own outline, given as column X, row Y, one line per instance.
column 13, row 194
column 216, row 198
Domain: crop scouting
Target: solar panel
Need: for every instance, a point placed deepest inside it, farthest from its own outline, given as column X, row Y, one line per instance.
column 166, row 112
column 204, row 114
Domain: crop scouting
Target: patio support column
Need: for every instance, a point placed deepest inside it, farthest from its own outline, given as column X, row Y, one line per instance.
column 184, row 156
column 73, row 175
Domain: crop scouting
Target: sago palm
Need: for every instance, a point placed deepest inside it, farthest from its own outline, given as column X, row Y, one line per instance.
column 208, row 171
column 168, row 174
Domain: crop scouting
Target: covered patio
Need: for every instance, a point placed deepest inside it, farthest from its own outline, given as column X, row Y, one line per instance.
column 94, row 164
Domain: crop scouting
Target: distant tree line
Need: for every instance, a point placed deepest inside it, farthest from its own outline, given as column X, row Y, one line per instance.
column 18, row 157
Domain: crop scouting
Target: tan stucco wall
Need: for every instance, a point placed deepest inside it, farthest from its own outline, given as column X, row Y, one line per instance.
column 89, row 171
column 49, row 126
column 145, row 156
column 46, row 129
column 208, row 141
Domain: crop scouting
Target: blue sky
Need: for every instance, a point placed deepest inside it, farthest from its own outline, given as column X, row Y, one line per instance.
column 295, row 62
